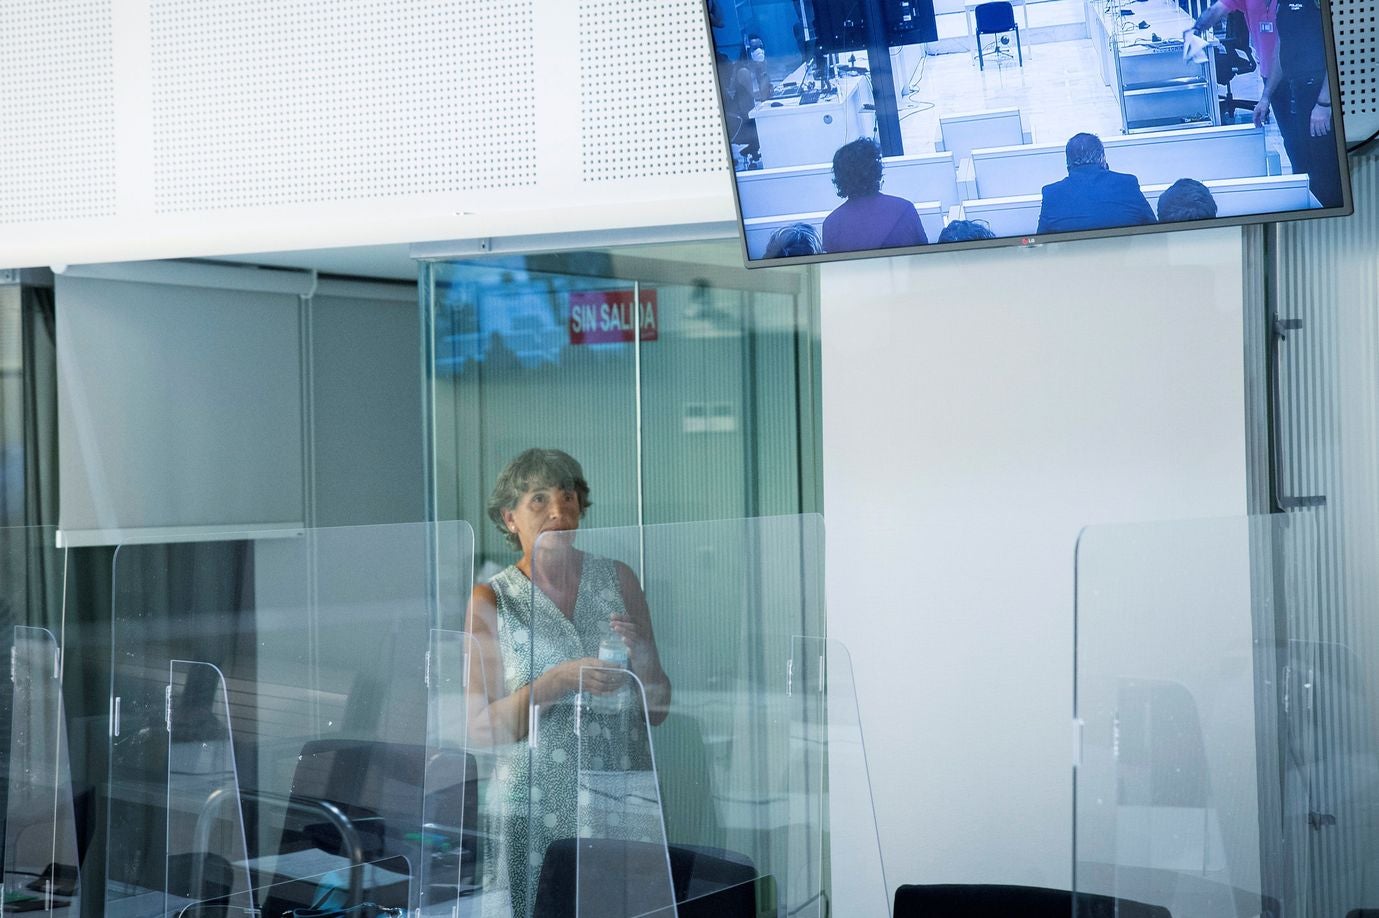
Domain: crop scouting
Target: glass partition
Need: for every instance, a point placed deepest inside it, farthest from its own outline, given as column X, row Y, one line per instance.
column 207, row 852
column 270, row 715
column 315, row 721
column 450, row 831
column 1190, row 703
column 41, row 857
column 679, row 751
column 685, row 385
column 827, row 736
column 621, row 864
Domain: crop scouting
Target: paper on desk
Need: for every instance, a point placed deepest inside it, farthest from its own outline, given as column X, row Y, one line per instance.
column 314, row 864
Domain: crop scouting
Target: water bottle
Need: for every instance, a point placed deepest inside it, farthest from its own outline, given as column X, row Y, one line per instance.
column 612, row 654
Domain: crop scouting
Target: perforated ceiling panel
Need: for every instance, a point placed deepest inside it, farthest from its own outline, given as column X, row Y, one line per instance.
column 229, row 126
column 57, row 106
column 646, row 90
column 266, row 102
column 1356, row 28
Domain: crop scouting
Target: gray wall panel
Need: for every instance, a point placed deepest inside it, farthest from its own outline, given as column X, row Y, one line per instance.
column 1329, row 430
column 367, row 443
column 179, row 406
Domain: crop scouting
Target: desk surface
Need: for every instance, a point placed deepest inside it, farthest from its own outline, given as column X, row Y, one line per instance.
column 843, row 89
column 1165, row 19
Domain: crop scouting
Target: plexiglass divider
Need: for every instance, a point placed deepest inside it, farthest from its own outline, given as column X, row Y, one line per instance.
column 207, row 852
column 41, row 857
column 831, row 786
column 705, row 790
column 1187, row 781
column 451, row 830
column 287, row 711
column 271, row 716
column 621, row 863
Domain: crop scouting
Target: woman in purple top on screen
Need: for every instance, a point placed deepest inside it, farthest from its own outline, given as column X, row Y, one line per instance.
column 868, row 219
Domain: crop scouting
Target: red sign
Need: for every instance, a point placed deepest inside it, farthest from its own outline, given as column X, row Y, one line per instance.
column 611, row 316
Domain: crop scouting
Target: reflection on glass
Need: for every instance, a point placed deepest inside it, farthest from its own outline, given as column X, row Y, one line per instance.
column 528, row 357
column 686, row 388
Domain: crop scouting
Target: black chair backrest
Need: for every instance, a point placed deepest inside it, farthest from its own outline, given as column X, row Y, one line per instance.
column 720, row 884
column 991, row 901
column 996, row 16
column 380, row 786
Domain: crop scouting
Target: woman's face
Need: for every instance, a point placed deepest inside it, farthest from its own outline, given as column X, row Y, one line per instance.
column 539, row 510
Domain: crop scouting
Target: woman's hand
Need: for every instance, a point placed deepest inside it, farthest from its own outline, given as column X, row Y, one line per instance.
column 641, row 652
column 564, row 679
column 1320, row 123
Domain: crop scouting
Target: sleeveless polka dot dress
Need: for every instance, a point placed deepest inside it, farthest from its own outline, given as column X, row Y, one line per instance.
column 598, row 784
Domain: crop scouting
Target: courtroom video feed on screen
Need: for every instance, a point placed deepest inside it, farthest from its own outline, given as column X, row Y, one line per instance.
column 865, row 126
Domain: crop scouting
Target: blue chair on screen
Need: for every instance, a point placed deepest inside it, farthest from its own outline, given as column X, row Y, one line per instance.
column 997, row 18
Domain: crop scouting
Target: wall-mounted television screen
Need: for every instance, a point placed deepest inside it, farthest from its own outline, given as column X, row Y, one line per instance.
column 878, row 127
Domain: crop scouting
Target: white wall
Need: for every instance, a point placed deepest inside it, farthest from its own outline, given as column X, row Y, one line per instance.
column 979, row 408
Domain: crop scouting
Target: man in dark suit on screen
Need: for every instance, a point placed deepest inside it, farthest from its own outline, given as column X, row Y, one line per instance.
column 1092, row 196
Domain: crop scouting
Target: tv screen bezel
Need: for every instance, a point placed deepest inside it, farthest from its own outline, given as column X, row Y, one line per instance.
column 1346, row 209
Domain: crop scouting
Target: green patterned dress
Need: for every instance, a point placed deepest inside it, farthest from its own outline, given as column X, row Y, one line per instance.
column 535, row 794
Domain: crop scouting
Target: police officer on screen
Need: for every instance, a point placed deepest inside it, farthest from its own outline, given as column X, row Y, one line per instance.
column 1299, row 93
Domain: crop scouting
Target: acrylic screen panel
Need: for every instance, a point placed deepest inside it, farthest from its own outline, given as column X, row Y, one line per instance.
column 973, row 136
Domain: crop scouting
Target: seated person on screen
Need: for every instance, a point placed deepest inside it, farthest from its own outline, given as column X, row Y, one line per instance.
column 1092, row 196
column 795, row 239
column 867, row 219
column 1186, row 199
column 965, row 231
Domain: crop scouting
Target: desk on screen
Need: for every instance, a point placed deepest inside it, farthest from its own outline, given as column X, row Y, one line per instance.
column 802, row 189
column 797, row 135
column 1244, row 196
column 1229, row 151
column 1018, row 215
column 962, row 132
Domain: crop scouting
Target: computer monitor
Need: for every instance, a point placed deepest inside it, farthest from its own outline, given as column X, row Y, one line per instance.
column 841, row 27
column 1014, row 129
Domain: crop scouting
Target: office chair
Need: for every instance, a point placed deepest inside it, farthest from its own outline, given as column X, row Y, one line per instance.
column 1232, row 59
column 629, row 879
column 359, row 800
column 997, row 18
column 951, row 900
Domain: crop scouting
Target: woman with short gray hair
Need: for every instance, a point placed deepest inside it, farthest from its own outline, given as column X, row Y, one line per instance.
column 538, row 627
